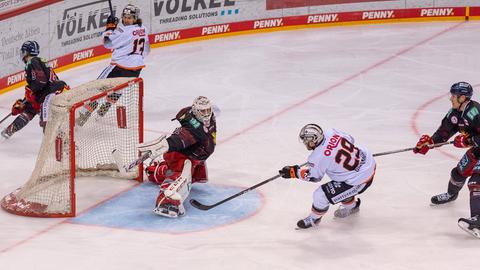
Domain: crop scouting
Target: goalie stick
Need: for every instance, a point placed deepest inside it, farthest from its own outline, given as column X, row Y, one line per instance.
column 117, row 156
column 205, row 207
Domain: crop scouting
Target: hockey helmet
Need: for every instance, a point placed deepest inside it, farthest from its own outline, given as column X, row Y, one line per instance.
column 29, row 48
column 462, row 89
column 132, row 11
column 311, row 133
column 202, row 109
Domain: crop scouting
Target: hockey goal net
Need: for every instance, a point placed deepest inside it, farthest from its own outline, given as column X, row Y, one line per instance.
column 73, row 148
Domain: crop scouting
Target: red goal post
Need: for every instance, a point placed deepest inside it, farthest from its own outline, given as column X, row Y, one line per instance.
column 70, row 149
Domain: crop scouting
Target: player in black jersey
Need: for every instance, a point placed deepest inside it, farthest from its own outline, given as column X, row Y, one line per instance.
column 463, row 118
column 42, row 84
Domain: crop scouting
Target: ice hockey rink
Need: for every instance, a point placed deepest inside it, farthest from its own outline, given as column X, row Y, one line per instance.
column 384, row 84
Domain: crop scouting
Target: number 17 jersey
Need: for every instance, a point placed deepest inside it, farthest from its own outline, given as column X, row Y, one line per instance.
column 129, row 44
column 340, row 160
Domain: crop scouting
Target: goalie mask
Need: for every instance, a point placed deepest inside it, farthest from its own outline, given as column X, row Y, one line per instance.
column 202, row 109
column 311, row 135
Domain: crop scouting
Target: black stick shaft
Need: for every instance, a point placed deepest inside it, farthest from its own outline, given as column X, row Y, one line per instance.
column 431, row 146
column 110, row 6
column 5, row 118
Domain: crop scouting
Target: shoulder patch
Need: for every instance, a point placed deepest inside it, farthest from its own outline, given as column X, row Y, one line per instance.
column 472, row 113
column 194, row 122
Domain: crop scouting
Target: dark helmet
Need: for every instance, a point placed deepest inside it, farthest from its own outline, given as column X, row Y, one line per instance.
column 462, row 89
column 30, row 48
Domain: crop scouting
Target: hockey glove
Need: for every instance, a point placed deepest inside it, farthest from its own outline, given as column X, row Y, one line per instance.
column 18, row 107
column 112, row 22
column 422, row 145
column 462, row 141
column 290, row 171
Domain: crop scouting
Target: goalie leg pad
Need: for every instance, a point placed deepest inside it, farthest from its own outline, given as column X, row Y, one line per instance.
column 200, row 174
column 158, row 172
column 172, row 195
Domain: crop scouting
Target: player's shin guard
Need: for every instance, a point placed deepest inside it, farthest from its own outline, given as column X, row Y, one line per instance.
column 20, row 122
column 474, row 187
column 172, row 195
column 456, row 181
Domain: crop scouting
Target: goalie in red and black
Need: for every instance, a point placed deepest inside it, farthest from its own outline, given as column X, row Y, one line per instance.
column 42, row 84
column 184, row 157
column 463, row 118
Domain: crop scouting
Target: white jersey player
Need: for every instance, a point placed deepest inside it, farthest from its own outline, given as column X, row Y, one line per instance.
column 350, row 167
column 129, row 43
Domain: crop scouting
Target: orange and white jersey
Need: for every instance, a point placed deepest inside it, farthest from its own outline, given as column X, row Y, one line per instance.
column 129, row 44
column 340, row 160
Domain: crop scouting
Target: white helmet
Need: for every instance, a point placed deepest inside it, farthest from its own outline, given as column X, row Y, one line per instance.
column 202, row 109
column 311, row 133
column 132, row 11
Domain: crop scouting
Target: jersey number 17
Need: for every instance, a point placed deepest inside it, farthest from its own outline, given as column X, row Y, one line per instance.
column 138, row 46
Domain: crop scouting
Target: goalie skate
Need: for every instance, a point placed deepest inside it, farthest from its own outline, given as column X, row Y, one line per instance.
column 170, row 210
column 470, row 225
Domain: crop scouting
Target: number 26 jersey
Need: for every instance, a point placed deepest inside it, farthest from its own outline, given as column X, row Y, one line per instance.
column 340, row 160
column 129, row 44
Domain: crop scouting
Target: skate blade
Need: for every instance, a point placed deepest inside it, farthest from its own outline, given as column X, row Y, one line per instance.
column 166, row 213
column 464, row 226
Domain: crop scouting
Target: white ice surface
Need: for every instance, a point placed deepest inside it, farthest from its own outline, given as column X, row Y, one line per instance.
column 379, row 83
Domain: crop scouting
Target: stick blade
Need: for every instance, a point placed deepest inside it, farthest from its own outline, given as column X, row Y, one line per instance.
column 199, row 205
column 117, row 158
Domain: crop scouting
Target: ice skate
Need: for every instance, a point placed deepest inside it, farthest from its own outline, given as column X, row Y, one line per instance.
column 470, row 225
column 308, row 222
column 343, row 212
column 443, row 198
column 170, row 210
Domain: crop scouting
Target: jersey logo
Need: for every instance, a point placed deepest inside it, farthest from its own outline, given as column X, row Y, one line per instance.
column 194, row 122
column 332, row 144
column 472, row 113
column 454, row 120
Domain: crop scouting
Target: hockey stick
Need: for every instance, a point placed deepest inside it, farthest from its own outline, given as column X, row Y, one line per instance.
column 431, row 146
column 110, row 6
column 117, row 157
column 204, row 207
column 5, row 118
column 123, row 169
